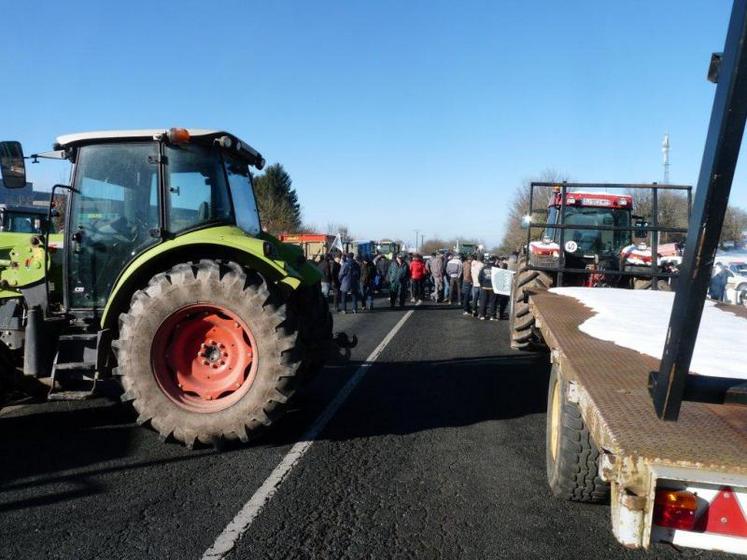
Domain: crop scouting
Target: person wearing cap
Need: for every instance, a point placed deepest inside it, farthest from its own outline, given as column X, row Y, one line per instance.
column 397, row 276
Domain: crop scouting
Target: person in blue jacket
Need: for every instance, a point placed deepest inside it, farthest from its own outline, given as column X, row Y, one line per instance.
column 397, row 276
column 350, row 275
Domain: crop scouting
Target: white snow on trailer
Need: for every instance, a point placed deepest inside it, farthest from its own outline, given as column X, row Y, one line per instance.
column 638, row 319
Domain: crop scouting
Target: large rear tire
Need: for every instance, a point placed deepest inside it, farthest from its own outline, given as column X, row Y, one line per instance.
column 571, row 456
column 522, row 321
column 315, row 329
column 207, row 352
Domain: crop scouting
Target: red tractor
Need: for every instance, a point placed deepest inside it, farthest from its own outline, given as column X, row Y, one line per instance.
column 590, row 238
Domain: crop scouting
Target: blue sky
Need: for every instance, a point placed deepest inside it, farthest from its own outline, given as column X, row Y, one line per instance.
column 389, row 116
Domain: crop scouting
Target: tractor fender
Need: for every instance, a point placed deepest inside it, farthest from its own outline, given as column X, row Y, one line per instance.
column 225, row 242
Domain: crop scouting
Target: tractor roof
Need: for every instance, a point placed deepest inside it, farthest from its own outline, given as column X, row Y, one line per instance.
column 84, row 137
column 80, row 138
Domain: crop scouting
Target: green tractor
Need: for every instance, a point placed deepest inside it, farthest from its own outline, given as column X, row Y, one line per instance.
column 164, row 281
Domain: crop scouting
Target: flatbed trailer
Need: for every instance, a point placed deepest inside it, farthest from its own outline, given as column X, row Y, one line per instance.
column 598, row 399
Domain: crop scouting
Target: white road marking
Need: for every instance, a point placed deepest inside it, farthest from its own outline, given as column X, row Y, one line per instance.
column 238, row 526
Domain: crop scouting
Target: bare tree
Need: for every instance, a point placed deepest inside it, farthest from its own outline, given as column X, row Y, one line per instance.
column 432, row 245
column 515, row 236
column 672, row 210
column 735, row 223
column 342, row 229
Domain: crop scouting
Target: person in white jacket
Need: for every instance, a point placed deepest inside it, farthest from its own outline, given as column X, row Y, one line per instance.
column 477, row 266
column 454, row 273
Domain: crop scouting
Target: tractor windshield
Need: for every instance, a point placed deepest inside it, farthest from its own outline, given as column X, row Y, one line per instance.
column 591, row 241
column 597, row 241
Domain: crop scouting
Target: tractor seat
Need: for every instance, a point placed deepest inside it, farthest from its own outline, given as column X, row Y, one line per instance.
column 203, row 212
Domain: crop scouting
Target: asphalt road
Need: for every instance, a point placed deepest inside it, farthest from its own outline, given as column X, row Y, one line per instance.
column 437, row 453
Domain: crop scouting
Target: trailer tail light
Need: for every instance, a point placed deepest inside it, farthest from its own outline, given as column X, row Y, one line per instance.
column 178, row 135
column 675, row 509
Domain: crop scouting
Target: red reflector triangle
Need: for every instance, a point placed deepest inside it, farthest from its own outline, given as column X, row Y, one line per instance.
column 723, row 515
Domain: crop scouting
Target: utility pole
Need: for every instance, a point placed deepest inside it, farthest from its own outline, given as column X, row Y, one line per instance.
column 417, row 233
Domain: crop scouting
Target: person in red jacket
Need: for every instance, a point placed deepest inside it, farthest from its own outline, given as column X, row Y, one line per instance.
column 417, row 278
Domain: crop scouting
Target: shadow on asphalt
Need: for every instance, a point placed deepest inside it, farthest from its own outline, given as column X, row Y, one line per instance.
column 398, row 398
column 394, row 398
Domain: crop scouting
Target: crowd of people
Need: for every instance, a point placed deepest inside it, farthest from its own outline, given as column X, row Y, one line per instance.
column 445, row 278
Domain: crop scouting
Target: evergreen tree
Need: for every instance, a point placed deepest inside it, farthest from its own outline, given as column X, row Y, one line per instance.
column 277, row 201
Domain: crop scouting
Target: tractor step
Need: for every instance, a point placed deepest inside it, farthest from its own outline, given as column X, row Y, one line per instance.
column 76, row 348
column 79, row 336
column 76, row 366
column 70, row 395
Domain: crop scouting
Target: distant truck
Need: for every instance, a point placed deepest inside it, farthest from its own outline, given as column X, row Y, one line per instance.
column 388, row 248
column 313, row 244
column 365, row 249
column 465, row 249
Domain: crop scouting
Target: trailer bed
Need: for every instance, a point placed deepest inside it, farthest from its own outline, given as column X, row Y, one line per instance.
column 616, row 404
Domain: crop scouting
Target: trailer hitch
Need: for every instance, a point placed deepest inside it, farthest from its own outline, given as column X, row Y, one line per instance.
column 341, row 345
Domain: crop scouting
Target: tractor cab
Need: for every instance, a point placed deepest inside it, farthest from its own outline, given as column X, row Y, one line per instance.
column 165, row 280
column 133, row 190
column 23, row 219
column 583, row 209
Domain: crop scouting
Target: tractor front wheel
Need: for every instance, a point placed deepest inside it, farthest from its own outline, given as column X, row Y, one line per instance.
column 522, row 320
column 207, row 352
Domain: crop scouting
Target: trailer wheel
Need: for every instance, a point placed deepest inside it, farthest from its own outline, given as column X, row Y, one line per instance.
column 571, row 456
column 206, row 352
column 522, row 320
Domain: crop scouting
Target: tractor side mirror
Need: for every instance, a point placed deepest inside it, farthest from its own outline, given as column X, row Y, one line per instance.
column 526, row 221
column 12, row 166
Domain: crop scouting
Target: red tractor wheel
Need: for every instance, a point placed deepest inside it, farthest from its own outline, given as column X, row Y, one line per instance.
column 203, row 357
column 207, row 352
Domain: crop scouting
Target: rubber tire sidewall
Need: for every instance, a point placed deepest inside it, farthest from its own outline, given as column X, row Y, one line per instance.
column 210, row 283
column 573, row 474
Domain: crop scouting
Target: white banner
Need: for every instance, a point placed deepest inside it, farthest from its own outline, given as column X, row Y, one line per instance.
column 501, row 279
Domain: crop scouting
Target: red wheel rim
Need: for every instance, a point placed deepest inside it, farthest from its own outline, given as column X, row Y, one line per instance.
column 204, row 357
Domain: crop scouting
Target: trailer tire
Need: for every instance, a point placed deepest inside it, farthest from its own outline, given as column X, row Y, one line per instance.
column 571, row 456
column 246, row 347
column 522, row 321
